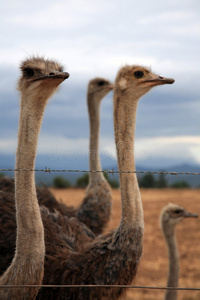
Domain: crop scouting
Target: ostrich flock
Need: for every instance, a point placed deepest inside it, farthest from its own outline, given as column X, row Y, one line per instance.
column 44, row 242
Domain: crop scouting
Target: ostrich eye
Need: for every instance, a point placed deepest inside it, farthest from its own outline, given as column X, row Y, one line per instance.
column 138, row 74
column 101, row 83
column 28, row 72
column 178, row 211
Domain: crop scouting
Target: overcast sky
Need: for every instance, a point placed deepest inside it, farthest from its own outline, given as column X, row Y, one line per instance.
column 94, row 38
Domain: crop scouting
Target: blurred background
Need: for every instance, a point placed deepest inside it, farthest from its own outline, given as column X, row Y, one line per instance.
column 95, row 38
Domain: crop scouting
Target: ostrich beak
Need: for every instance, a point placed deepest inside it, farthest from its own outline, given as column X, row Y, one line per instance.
column 54, row 75
column 111, row 86
column 188, row 214
column 62, row 75
column 158, row 80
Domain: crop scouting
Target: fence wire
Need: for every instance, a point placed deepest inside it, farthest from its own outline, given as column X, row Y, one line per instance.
column 112, row 172
column 101, row 286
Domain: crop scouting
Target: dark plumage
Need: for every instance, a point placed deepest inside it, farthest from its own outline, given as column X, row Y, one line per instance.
column 45, row 197
column 7, row 230
column 60, row 231
column 110, row 259
column 7, row 184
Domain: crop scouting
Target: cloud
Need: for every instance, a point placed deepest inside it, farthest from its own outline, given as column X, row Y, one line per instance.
column 68, row 15
column 151, row 151
column 8, row 145
column 157, row 151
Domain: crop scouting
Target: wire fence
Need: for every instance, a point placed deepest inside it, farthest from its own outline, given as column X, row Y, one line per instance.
column 101, row 286
column 112, row 172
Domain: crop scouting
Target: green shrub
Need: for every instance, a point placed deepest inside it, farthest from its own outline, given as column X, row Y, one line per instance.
column 61, row 183
column 82, row 181
column 180, row 185
column 161, row 181
column 113, row 182
column 147, row 181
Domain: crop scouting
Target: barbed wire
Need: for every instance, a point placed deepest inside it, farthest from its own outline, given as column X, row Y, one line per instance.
column 48, row 170
column 102, row 286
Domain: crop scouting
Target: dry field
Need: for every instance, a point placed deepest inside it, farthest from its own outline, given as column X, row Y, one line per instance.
column 154, row 263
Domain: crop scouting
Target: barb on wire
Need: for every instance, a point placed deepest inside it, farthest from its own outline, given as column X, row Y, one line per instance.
column 48, row 170
column 103, row 286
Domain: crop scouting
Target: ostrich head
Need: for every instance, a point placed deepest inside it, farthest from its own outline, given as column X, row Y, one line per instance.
column 98, row 88
column 40, row 78
column 138, row 80
column 172, row 214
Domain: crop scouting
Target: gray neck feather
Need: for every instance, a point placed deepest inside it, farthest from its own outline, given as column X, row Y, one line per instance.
column 125, row 108
column 25, row 190
column 94, row 118
column 173, row 273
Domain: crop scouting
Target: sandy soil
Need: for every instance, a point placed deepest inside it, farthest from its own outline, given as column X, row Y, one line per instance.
column 154, row 262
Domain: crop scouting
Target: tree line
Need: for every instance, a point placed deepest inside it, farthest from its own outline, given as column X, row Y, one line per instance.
column 145, row 181
column 149, row 181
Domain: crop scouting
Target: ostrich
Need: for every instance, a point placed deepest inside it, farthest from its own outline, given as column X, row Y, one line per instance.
column 40, row 79
column 112, row 258
column 95, row 208
column 171, row 215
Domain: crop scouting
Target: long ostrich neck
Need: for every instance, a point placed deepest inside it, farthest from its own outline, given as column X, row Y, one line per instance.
column 124, row 123
column 30, row 234
column 94, row 117
column 173, row 274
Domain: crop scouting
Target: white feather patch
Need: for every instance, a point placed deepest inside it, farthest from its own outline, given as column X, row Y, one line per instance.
column 123, row 83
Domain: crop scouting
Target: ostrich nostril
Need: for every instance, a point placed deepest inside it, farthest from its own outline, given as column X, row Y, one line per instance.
column 52, row 73
column 160, row 77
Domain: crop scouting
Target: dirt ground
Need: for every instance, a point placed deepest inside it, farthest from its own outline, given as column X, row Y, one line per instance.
column 154, row 262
